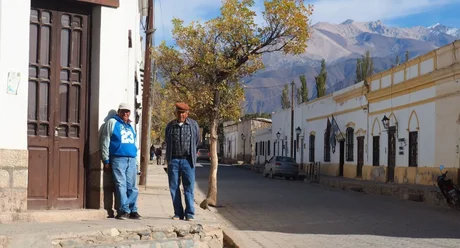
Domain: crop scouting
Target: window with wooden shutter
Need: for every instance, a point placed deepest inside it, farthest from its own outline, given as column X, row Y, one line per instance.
column 327, row 145
column 350, row 136
column 268, row 148
column 413, row 148
column 312, row 148
column 376, row 151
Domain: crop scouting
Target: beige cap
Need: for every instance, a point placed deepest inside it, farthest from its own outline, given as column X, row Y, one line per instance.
column 124, row 106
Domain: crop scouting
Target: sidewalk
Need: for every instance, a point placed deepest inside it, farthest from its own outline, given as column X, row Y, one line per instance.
column 155, row 230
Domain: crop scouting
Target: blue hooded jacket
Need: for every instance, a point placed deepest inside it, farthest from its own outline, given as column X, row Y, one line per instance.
column 118, row 139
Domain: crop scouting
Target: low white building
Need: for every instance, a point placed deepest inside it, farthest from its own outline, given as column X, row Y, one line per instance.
column 264, row 150
column 398, row 128
column 65, row 68
column 239, row 139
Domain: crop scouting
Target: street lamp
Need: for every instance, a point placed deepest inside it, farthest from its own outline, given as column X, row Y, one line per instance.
column 244, row 147
column 298, row 130
column 386, row 122
column 278, row 141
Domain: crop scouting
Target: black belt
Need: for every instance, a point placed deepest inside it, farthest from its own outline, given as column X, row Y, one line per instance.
column 181, row 157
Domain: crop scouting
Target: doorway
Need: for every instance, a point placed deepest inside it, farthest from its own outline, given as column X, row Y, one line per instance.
column 57, row 101
column 342, row 157
column 391, row 153
column 359, row 166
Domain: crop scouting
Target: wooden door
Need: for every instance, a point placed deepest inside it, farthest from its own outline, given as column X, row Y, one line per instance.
column 391, row 153
column 341, row 157
column 376, row 151
column 58, row 80
column 359, row 165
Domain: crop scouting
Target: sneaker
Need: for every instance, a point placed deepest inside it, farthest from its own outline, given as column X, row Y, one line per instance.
column 135, row 216
column 189, row 218
column 175, row 217
column 122, row 216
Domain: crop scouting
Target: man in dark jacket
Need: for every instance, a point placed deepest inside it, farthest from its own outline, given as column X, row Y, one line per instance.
column 182, row 137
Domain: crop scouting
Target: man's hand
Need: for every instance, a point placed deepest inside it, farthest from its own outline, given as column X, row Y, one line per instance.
column 107, row 168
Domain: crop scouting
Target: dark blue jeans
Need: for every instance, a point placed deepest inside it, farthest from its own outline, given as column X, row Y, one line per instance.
column 181, row 169
column 124, row 174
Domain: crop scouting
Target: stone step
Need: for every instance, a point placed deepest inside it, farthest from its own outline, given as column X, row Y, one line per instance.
column 53, row 215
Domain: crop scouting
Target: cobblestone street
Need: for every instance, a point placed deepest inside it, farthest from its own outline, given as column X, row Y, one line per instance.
column 262, row 212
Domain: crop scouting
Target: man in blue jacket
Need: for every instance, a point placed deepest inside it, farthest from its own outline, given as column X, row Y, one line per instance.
column 119, row 151
column 182, row 137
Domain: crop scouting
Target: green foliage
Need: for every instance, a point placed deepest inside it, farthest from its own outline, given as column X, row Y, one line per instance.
column 364, row 68
column 162, row 111
column 209, row 59
column 303, row 89
column 285, row 102
column 321, row 80
column 256, row 115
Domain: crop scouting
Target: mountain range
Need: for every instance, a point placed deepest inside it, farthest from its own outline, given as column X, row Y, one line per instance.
column 340, row 45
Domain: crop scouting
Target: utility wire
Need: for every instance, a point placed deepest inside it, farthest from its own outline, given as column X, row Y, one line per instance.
column 263, row 87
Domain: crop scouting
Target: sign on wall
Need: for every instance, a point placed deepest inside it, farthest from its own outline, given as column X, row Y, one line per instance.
column 13, row 83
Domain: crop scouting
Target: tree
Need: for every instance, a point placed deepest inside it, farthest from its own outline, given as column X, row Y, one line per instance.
column 303, row 92
column 364, row 68
column 407, row 56
column 256, row 115
column 162, row 111
column 209, row 59
column 285, row 102
column 321, row 80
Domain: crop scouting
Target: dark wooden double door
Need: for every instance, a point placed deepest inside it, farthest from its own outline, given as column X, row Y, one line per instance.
column 57, row 117
column 391, row 153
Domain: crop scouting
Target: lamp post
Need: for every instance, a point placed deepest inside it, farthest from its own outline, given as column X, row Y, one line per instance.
column 298, row 130
column 278, row 142
column 386, row 122
column 244, row 147
column 301, row 136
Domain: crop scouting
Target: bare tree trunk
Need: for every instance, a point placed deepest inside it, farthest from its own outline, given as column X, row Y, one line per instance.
column 211, row 198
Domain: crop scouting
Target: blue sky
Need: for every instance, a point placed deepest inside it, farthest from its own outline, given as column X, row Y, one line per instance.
column 400, row 13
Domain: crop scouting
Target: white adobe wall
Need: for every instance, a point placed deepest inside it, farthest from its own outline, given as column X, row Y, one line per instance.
column 114, row 64
column 230, row 152
column 423, row 117
column 281, row 122
column 263, row 135
column 327, row 107
column 14, row 58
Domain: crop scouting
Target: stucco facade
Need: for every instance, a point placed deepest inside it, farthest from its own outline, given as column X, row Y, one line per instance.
column 420, row 98
column 112, row 66
column 240, row 138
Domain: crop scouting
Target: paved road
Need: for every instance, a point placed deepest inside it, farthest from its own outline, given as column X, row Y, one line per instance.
column 264, row 212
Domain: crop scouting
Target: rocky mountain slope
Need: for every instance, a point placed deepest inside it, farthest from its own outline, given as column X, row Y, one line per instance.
column 340, row 45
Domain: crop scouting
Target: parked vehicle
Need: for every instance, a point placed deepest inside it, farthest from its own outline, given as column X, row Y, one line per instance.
column 448, row 189
column 203, row 154
column 281, row 166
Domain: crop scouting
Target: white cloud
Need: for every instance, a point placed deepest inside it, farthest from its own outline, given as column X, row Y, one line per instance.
column 334, row 11
column 337, row 11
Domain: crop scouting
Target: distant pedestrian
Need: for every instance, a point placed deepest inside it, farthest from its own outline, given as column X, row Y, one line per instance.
column 119, row 151
column 159, row 154
column 182, row 136
column 152, row 152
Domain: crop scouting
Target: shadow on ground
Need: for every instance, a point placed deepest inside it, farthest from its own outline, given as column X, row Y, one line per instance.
column 251, row 202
